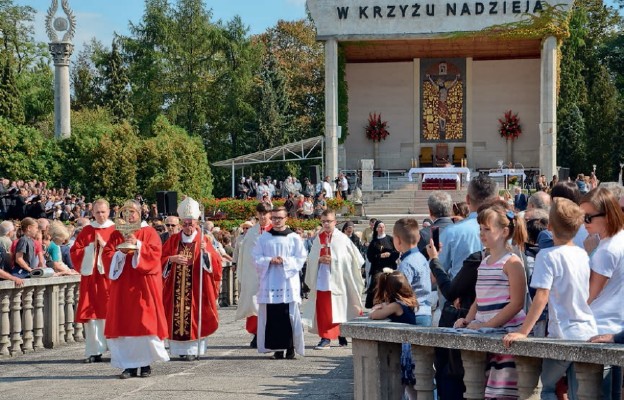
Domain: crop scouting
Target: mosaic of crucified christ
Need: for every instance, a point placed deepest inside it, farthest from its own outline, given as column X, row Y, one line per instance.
column 443, row 103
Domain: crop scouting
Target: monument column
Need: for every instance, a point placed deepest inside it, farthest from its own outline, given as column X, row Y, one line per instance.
column 331, row 108
column 548, row 108
column 61, row 50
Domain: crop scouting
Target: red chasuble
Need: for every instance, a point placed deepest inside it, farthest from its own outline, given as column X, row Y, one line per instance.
column 135, row 306
column 93, row 301
column 181, row 293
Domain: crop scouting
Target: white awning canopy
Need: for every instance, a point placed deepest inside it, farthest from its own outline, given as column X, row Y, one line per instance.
column 296, row 151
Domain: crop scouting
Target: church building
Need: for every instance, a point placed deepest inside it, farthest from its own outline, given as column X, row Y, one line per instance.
column 447, row 77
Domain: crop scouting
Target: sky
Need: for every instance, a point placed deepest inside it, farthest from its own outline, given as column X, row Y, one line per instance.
column 102, row 18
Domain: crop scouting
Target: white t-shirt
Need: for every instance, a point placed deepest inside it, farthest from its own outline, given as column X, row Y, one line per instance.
column 608, row 260
column 329, row 192
column 564, row 270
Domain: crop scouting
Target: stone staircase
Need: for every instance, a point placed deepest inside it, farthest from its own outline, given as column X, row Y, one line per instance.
column 403, row 199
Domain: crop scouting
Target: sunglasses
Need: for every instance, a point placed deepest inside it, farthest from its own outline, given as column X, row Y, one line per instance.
column 588, row 218
column 171, row 225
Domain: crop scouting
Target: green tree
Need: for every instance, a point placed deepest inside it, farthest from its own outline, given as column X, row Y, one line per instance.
column 173, row 160
column 25, row 153
column 144, row 51
column 114, row 167
column 86, row 76
column 116, row 85
column 36, row 86
column 11, row 106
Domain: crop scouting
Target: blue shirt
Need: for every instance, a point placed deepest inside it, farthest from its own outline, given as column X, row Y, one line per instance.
column 416, row 269
column 458, row 242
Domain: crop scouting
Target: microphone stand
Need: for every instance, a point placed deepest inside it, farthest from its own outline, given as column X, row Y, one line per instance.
column 201, row 282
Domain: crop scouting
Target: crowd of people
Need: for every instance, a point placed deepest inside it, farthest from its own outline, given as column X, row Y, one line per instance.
column 549, row 264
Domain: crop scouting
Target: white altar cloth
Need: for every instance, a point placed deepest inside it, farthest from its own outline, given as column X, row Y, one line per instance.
column 445, row 170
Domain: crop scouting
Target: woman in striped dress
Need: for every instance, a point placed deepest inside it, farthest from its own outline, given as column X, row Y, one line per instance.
column 501, row 288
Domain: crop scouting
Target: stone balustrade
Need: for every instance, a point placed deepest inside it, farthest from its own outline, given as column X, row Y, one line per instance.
column 377, row 353
column 39, row 314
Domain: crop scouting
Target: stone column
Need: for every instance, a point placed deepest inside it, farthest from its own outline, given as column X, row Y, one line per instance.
column 529, row 370
column 27, row 319
column 5, row 324
column 61, row 51
column 589, row 377
column 376, row 370
column 548, row 108
column 38, row 324
column 423, row 371
column 61, row 313
column 331, row 108
column 69, row 312
column 16, row 322
column 474, row 373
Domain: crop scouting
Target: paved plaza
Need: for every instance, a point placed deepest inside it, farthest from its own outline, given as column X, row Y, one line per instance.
column 229, row 370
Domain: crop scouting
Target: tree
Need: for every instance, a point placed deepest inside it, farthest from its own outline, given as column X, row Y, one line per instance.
column 116, row 85
column 11, row 106
column 86, row 76
column 173, row 160
column 25, row 153
column 144, row 52
column 300, row 58
column 114, row 167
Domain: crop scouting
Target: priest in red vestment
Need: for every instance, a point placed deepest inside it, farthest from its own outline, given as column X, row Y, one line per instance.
column 185, row 256
column 86, row 256
column 135, row 322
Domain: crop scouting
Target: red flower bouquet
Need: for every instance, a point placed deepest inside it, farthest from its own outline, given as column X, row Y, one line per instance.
column 376, row 128
column 509, row 126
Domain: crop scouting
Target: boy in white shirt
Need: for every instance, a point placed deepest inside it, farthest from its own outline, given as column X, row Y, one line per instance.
column 561, row 278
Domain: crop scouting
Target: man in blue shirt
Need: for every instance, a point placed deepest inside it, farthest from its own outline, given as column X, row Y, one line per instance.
column 462, row 239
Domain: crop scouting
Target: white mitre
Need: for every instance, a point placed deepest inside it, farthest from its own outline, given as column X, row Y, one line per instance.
column 189, row 209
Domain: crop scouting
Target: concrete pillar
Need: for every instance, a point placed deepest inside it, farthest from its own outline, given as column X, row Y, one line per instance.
column 474, row 373
column 417, row 111
column 377, row 370
column 589, row 377
column 61, row 51
column 423, row 371
column 548, row 108
column 51, row 317
column 529, row 370
column 331, row 108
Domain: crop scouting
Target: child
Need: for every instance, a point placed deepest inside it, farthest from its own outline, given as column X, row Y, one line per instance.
column 395, row 299
column 500, row 290
column 26, row 257
column 414, row 266
column 561, row 277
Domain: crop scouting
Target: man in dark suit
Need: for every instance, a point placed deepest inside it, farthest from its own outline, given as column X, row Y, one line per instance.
column 440, row 208
column 520, row 199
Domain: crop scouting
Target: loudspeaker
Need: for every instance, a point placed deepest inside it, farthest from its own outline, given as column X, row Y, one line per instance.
column 167, row 203
column 564, row 174
column 315, row 174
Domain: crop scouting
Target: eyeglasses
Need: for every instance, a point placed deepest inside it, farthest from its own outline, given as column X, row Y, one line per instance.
column 588, row 218
column 171, row 225
column 277, row 218
column 327, row 221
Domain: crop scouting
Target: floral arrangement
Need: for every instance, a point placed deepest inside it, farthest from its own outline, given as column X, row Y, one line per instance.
column 376, row 129
column 513, row 180
column 509, row 127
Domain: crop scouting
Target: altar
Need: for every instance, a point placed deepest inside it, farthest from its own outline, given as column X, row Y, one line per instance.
column 441, row 174
column 505, row 173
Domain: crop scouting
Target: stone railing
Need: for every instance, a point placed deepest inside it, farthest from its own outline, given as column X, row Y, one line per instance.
column 229, row 287
column 377, row 353
column 39, row 314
